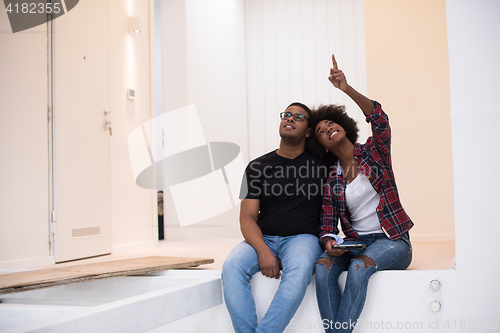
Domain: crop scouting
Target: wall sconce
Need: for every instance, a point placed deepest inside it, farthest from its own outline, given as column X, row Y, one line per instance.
column 134, row 25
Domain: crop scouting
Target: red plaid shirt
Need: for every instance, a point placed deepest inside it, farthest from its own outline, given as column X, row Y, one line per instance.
column 374, row 160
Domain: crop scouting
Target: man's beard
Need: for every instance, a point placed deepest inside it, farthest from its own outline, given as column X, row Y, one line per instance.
column 291, row 141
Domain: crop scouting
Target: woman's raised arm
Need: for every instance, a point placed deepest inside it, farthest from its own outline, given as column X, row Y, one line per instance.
column 338, row 79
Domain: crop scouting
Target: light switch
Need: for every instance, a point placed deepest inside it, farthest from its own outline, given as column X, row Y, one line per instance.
column 131, row 93
column 435, row 285
column 435, row 306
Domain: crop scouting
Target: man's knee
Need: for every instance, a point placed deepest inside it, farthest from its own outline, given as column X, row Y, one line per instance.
column 231, row 265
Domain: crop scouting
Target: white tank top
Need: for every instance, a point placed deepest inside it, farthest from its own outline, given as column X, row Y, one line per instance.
column 362, row 201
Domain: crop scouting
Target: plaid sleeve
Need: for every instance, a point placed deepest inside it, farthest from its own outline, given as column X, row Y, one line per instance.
column 380, row 129
column 329, row 217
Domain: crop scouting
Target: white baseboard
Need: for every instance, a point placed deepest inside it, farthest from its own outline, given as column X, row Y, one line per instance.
column 432, row 237
column 134, row 246
column 27, row 263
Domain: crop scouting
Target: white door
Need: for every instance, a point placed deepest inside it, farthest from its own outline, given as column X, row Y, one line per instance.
column 82, row 145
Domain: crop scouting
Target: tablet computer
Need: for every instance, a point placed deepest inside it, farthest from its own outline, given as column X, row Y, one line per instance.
column 349, row 246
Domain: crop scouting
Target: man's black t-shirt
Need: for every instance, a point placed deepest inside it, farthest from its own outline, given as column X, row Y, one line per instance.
column 289, row 191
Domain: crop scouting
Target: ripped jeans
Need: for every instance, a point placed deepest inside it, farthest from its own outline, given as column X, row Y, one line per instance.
column 296, row 256
column 341, row 311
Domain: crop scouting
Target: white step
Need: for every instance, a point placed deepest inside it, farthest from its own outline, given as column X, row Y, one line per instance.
column 121, row 304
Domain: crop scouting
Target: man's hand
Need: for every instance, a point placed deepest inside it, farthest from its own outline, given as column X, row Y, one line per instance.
column 333, row 252
column 337, row 77
column 269, row 264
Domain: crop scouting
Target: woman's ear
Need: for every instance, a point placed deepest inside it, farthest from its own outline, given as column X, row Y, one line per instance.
column 326, row 150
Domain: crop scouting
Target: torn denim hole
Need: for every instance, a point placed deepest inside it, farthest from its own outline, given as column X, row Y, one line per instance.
column 366, row 260
column 325, row 261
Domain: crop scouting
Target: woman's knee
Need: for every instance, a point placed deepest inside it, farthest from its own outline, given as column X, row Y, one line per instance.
column 366, row 261
column 361, row 268
column 390, row 255
column 330, row 267
column 326, row 262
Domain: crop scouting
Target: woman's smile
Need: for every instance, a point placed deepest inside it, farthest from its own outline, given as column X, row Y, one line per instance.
column 333, row 133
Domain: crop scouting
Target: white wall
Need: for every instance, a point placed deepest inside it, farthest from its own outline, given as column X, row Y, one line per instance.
column 289, row 47
column 133, row 209
column 203, row 63
column 24, row 155
column 475, row 117
column 408, row 72
column 24, row 200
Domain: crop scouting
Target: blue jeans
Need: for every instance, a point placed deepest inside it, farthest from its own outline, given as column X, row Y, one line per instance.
column 296, row 256
column 341, row 311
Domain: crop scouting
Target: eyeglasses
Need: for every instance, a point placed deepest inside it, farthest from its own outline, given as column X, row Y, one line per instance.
column 296, row 116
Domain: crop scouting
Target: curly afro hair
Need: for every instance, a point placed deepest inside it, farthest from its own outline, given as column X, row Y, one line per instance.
column 337, row 114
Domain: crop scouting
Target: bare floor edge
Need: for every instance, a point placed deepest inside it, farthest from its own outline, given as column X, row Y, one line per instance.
column 54, row 276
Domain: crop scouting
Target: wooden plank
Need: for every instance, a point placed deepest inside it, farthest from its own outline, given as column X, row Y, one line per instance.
column 50, row 277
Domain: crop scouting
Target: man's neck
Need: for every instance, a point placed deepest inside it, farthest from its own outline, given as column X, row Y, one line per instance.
column 290, row 152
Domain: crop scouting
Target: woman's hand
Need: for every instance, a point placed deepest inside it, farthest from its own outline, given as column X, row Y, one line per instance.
column 331, row 251
column 337, row 77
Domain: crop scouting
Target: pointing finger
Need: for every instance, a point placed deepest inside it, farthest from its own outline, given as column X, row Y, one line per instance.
column 334, row 62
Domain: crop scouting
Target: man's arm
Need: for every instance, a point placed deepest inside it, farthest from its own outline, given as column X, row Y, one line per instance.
column 338, row 79
column 249, row 211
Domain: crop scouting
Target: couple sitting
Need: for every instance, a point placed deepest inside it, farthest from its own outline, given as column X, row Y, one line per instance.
column 294, row 195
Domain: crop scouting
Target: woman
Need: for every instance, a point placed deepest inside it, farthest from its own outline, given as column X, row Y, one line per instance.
column 361, row 192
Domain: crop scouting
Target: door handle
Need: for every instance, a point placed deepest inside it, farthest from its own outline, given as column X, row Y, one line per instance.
column 107, row 123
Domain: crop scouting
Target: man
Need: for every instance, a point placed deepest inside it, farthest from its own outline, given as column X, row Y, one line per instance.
column 279, row 219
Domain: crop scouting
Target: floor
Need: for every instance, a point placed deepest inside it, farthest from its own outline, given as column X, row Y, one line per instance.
column 426, row 255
